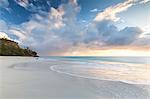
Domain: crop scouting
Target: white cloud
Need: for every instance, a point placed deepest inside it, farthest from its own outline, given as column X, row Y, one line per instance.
column 4, row 35
column 144, row 1
column 94, row 10
column 23, row 3
column 55, row 32
column 105, row 33
column 110, row 12
column 18, row 33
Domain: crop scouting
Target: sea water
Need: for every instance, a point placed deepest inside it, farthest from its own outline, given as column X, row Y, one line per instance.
column 133, row 70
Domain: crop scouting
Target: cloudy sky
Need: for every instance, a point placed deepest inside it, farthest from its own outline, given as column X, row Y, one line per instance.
column 78, row 27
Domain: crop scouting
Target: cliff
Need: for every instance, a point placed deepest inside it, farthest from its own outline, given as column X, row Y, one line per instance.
column 11, row 48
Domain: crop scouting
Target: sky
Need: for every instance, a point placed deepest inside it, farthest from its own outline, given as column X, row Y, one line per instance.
column 78, row 27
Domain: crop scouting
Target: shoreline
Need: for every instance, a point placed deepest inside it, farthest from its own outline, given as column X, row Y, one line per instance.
column 39, row 83
column 94, row 78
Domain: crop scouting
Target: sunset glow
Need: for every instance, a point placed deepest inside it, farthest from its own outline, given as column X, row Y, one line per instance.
column 113, row 52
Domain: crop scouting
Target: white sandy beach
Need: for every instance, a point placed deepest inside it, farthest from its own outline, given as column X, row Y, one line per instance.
column 29, row 78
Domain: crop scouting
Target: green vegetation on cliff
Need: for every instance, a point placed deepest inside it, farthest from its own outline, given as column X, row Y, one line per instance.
column 11, row 48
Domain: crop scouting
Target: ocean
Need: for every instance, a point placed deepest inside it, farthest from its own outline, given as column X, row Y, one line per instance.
column 133, row 70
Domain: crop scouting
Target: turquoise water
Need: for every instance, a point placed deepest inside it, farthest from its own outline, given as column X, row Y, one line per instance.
column 137, row 60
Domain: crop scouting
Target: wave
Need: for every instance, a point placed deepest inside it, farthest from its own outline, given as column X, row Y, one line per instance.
column 128, row 73
column 93, row 69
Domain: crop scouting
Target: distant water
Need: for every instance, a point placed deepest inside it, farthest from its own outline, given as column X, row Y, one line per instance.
column 137, row 60
column 134, row 70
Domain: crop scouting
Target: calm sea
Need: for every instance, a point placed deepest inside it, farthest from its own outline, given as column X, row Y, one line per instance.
column 134, row 70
